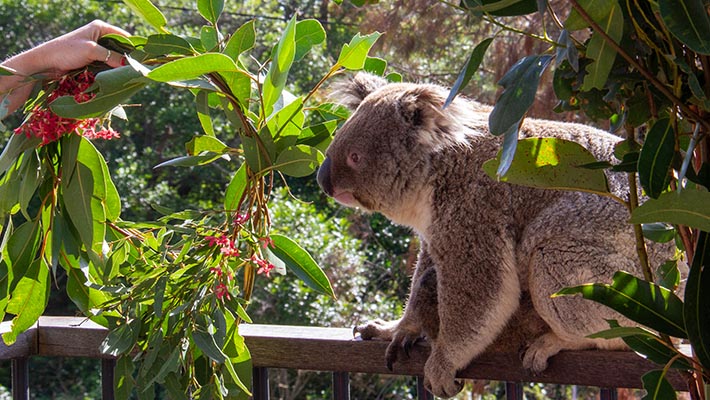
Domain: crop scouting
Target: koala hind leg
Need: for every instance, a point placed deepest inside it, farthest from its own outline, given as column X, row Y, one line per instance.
column 564, row 263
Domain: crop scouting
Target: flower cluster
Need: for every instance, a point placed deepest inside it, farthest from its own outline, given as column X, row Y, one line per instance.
column 265, row 267
column 49, row 127
column 228, row 247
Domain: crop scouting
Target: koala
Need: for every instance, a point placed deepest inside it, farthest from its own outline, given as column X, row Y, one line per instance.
column 491, row 253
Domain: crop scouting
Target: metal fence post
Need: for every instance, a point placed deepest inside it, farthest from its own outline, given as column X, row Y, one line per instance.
column 260, row 383
column 20, row 378
column 341, row 386
column 514, row 391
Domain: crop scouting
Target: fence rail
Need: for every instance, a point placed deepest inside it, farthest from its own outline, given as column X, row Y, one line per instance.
column 335, row 350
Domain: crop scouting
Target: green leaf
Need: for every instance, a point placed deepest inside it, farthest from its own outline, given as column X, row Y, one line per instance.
column 28, row 300
column 688, row 207
column 668, row 275
column 123, row 382
column 298, row 161
column 22, row 247
column 104, row 189
column 191, row 161
column 688, row 21
column 551, row 163
column 210, row 9
column 520, row 85
column 115, row 85
column 354, row 54
column 646, row 303
column 301, row 263
column 281, row 60
column 235, row 189
column 645, row 343
column 507, row 153
column 697, row 301
column 87, row 299
column 242, row 40
column 601, row 51
column 86, row 215
column 598, row 10
column 200, row 144
column 209, row 38
column 656, row 158
column 188, row 68
column 309, row 33
column 121, row 339
column 469, row 68
column 501, row 8
column 163, row 44
column 657, row 387
column 375, row 65
column 203, row 112
column 17, row 145
column 205, row 342
column 148, row 12
column 658, row 232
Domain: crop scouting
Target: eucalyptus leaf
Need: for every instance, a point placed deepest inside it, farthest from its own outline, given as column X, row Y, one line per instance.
column 28, row 300
column 309, row 33
column 646, row 303
column 235, row 189
column 354, row 54
column 301, row 263
column 282, row 58
column 210, row 9
column 656, row 158
column 375, row 65
column 600, row 50
column 187, row 68
column 657, row 387
column 520, row 86
column 163, row 44
column 469, row 68
column 298, row 161
column 688, row 207
column 149, row 12
column 697, row 301
column 551, row 164
column 688, row 21
column 242, row 40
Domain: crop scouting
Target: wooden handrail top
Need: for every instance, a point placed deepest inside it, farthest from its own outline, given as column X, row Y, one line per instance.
column 334, row 349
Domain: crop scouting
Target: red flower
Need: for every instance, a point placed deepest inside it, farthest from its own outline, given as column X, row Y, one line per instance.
column 228, row 246
column 44, row 124
column 265, row 267
column 266, row 242
column 221, row 291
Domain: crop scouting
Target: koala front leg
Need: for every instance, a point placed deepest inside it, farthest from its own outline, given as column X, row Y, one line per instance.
column 478, row 292
column 420, row 315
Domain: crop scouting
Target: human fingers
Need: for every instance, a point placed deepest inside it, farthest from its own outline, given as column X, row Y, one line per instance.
column 111, row 58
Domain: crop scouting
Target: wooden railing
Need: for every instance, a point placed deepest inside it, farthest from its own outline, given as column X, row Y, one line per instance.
column 335, row 350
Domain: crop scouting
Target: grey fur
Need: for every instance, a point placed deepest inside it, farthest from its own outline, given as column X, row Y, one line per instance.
column 491, row 253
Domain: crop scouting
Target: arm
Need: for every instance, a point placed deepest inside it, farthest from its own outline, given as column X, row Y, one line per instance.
column 54, row 58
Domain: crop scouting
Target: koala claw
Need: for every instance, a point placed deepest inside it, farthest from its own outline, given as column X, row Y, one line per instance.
column 440, row 376
column 403, row 341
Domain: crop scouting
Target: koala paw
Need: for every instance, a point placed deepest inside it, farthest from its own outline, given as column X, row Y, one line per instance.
column 440, row 376
column 402, row 341
column 536, row 356
column 376, row 329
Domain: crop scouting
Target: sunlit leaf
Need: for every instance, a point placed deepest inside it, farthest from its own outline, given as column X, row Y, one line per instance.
column 14, row 147
column 121, row 339
column 188, row 68
column 552, row 164
column 301, row 264
column 309, row 33
column 205, row 342
column 281, row 60
column 354, row 54
column 148, row 12
column 598, row 10
column 375, row 65
column 199, row 144
column 688, row 207
column 235, row 189
column 28, row 300
column 520, row 86
column 210, row 9
column 167, row 44
column 242, row 40
column 203, row 112
column 646, row 303
column 298, row 161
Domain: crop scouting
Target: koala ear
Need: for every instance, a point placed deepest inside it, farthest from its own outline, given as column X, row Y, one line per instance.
column 421, row 105
column 352, row 91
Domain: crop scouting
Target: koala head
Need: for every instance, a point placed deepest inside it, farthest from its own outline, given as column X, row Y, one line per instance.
column 380, row 159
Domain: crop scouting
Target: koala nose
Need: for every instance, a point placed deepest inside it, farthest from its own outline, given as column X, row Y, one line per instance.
column 324, row 177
